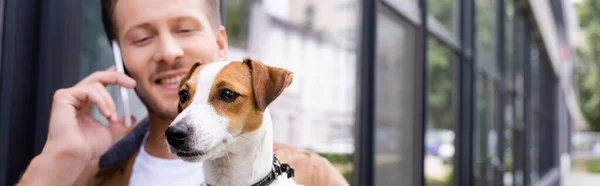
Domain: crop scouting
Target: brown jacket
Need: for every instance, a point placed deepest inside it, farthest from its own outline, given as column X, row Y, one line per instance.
column 114, row 167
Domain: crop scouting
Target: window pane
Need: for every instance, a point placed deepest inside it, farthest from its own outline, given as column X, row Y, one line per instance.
column 508, row 138
column 480, row 138
column 547, row 112
column 510, row 96
column 534, row 106
column 445, row 12
column 493, row 134
column 508, row 44
column 439, row 133
column 484, row 38
column 395, row 100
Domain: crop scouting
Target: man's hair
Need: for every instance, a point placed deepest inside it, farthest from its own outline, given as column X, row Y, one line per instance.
column 211, row 8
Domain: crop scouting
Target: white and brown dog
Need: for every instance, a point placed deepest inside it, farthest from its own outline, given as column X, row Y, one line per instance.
column 223, row 120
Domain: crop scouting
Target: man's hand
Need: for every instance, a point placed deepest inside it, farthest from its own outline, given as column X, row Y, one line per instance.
column 74, row 136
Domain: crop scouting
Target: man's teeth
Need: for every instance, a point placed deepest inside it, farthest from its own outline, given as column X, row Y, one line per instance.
column 175, row 79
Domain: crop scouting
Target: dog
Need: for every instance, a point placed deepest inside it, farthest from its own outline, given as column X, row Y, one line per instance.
column 224, row 121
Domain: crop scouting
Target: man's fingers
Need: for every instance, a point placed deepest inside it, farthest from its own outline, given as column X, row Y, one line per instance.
column 85, row 95
column 108, row 78
column 100, row 102
column 109, row 101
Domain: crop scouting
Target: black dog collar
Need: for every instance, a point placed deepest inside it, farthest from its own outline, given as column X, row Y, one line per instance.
column 278, row 169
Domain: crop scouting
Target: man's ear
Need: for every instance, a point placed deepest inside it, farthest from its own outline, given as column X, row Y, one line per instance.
column 267, row 82
column 222, row 42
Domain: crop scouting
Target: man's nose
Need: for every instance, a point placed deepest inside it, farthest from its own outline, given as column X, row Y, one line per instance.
column 169, row 50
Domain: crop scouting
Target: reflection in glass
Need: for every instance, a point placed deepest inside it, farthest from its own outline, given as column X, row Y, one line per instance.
column 484, row 37
column 238, row 12
column 535, row 116
column 511, row 119
column 508, row 138
column 508, row 43
column 445, row 12
column 395, row 100
column 480, row 138
column 510, row 95
column 493, row 136
column 439, row 134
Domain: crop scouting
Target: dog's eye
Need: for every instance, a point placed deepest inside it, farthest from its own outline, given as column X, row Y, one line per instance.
column 228, row 95
column 183, row 96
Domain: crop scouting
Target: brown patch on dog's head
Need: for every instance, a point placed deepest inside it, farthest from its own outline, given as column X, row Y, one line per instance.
column 241, row 92
column 188, row 86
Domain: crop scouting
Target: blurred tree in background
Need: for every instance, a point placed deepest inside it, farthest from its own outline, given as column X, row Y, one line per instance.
column 589, row 80
column 236, row 22
column 440, row 80
column 443, row 12
column 439, row 69
column 439, row 85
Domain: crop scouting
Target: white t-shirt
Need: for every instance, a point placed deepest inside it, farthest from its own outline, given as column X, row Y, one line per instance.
column 149, row 170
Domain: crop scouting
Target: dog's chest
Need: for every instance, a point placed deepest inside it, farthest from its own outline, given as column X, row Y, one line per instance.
column 280, row 181
column 283, row 181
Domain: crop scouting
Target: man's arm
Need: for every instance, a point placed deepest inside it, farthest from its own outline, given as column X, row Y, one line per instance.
column 324, row 173
column 53, row 169
column 309, row 167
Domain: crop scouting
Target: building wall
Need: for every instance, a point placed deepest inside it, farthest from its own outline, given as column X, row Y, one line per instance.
column 335, row 17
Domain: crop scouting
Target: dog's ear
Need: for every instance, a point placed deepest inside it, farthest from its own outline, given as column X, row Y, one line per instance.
column 189, row 74
column 267, row 82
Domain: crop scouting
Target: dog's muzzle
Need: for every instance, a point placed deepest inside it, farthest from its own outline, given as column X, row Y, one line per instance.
column 177, row 135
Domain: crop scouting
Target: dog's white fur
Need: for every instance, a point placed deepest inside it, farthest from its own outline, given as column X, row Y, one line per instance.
column 230, row 159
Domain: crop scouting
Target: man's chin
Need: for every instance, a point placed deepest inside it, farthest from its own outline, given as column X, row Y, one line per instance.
column 163, row 113
column 159, row 107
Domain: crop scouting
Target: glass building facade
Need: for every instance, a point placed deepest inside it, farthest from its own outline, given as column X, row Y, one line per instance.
column 486, row 104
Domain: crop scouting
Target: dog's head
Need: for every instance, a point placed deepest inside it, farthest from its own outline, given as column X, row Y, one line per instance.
column 220, row 101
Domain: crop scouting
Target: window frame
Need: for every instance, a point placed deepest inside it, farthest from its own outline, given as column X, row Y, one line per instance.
column 463, row 69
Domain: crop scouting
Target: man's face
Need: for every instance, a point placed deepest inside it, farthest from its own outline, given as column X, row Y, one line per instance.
column 160, row 40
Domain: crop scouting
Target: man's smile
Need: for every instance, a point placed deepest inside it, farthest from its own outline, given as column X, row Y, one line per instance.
column 170, row 83
column 169, row 80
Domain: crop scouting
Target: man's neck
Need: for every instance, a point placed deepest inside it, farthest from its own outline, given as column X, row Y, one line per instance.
column 156, row 144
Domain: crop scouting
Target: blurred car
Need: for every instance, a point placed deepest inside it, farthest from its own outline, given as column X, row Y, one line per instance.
column 440, row 143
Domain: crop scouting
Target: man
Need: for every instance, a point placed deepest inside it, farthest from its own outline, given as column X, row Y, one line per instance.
column 159, row 40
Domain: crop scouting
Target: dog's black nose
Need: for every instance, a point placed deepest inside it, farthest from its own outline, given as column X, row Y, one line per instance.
column 177, row 134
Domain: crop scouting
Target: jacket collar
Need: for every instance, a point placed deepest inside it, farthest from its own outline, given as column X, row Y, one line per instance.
column 126, row 147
